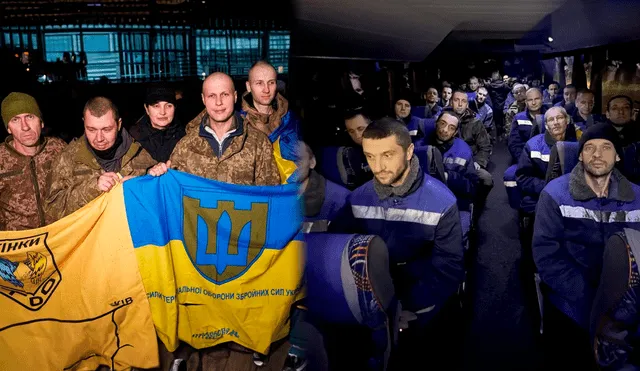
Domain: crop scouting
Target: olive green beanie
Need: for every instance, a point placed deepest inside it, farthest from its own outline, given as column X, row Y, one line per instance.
column 17, row 104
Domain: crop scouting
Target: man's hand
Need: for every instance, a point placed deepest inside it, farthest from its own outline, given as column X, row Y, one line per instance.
column 477, row 166
column 127, row 178
column 107, row 181
column 160, row 168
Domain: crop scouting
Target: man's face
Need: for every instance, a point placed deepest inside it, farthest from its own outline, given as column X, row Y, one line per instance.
column 556, row 122
column 585, row 103
column 386, row 158
column 402, row 108
column 481, row 95
column 474, row 84
column 553, row 90
column 446, row 127
column 520, row 94
column 355, row 127
column 446, row 94
column 26, row 129
column 101, row 132
column 459, row 103
column 569, row 95
column 262, row 84
column 598, row 157
column 534, row 100
column 432, row 96
column 219, row 96
column 161, row 114
column 619, row 111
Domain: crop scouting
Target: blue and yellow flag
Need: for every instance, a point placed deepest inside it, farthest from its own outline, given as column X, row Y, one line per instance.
column 205, row 262
column 219, row 262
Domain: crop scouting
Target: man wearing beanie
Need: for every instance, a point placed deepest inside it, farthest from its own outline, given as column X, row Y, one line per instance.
column 25, row 164
column 575, row 216
column 160, row 129
column 105, row 155
column 402, row 112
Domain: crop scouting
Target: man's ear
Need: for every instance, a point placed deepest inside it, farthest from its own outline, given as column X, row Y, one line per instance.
column 202, row 96
column 580, row 157
column 617, row 157
column 235, row 97
column 248, row 86
column 410, row 151
column 119, row 124
column 312, row 162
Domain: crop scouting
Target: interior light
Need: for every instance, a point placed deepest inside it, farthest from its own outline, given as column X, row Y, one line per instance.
column 550, row 39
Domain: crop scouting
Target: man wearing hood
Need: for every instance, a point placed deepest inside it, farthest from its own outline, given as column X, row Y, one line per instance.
column 268, row 111
column 105, row 155
column 160, row 129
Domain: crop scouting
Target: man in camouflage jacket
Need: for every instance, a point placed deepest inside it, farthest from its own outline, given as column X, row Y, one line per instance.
column 220, row 146
column 25, row 164
column 105, row 155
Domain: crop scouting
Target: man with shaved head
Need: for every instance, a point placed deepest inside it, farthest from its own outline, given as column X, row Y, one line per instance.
column 219, row 145
column 526, row 124
column 268, row 111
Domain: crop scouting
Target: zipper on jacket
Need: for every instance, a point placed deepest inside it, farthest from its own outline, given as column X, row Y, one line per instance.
column 34, row 176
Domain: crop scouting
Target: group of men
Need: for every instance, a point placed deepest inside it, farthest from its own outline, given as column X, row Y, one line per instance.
column 566, row 221
column 43, row 179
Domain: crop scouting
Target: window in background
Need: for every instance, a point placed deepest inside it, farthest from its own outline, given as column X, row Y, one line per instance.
column 279, row 42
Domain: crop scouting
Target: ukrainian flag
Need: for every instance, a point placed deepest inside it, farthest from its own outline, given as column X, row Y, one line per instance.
column 219, row 262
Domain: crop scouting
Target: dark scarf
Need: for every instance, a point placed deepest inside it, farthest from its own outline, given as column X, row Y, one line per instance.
column 409, row 186
column 111, row 159
column 314, row 194
column 406, row 120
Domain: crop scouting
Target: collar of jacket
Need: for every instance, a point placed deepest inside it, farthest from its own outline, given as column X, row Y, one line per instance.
column 569, row 136
column 9, row 142
column 230, row 143
column 269, row 122
column 410, row 185
column 147, row 131
column 619, row 187
column 442, row 146
column 86, row 157
column 532, row 118
column 314, row 195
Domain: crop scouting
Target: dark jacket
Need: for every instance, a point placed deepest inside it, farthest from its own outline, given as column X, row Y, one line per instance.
column 571, row 228
column 484, row 113
column 629, row 165
column 420, row 224
column 583, row 124
column 159, row 143
column 473, row 132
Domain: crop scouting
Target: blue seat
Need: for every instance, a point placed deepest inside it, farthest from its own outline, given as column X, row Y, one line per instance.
column 562, row 159
column 349, row 283
column 418, row 111
column 513, row 192
column 342, row 165
column 430, row 161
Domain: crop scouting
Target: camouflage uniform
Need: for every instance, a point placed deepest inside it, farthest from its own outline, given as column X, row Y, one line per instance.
column 248, row 160
column 265, row 123
column 24, row 181
column 75, row 176
column 515, row 108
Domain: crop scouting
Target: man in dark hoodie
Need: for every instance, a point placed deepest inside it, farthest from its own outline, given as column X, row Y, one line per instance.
column 160, row 129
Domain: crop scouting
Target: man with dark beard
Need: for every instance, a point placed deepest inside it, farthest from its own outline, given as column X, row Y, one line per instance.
column 418, row 218
column 575, row 216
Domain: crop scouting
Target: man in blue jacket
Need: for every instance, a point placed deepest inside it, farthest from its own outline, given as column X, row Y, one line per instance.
column 583, row 116
column 575, row 215
column 569, row 99
column 531, row 173
column 402, row 112
column 323, row 199
column 460, row 172
column 526, row 124
column 483, row 110
column 417, row 217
